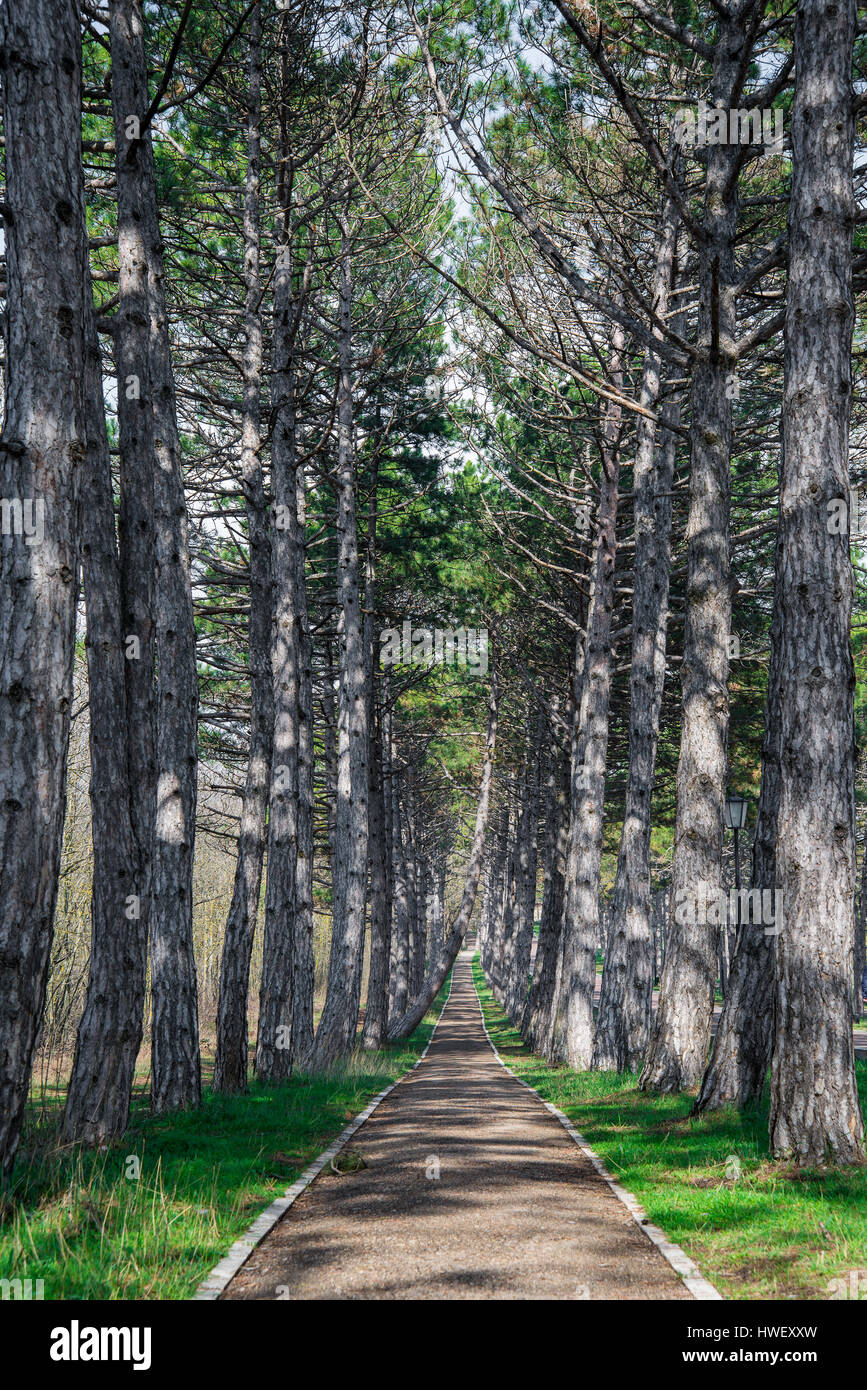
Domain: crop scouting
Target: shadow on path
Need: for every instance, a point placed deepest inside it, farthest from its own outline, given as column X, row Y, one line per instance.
column 516, row 1210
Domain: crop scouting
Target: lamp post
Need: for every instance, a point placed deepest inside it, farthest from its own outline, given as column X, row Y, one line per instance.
column 735, row 818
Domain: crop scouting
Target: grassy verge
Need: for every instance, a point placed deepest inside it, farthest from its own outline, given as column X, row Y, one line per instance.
column 88, row 1227
column 756, row 1229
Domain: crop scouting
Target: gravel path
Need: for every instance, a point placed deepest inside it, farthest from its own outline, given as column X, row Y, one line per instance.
column 516, row 1210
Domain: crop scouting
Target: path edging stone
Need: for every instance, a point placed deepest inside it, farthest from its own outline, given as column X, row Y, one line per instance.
column 689, row 1272
column 214, row 1283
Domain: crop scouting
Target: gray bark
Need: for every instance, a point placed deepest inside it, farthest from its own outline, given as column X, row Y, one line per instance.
column 400, row 906
column 303, row 984
column 274, row 1043
column 506, row 941
column 587, row 803
column 525, row 879
column 175, row 1066
column 42, row 451
column 230, row 1062
column 422, row 873
column 623, row 1019
column 497, row 859
column 437, row 911
column 415, row 973
column 742, row 1047
column 329, row 738
column 815, row 1116
column 110, row 1031
column 501, row 911
column 376, row 1007
column 555, row 1038
column 680, row 1032
column 538, row 1013
column 336, row 1032
column 859, row 954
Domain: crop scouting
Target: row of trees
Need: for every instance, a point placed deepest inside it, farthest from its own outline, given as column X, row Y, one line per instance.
column 686, row 291
column 322, row 321
column 242, row 437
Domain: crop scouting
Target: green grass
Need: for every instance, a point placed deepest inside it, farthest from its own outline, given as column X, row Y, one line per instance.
column 756, row 1229
column 74, row 1219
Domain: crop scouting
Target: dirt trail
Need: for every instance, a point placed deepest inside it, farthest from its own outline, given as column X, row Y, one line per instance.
column 517, row 1211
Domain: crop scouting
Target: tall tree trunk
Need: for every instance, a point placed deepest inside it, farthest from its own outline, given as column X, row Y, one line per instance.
column 336, row 1032
column 376, row 1008
column 525, row 896
column 329, row 751
column 680, row 1031
column 384, row 732
column 230, row 1063
column 859, row 955
column 742, row 1047
column 400, row 921
column 501, row 906
column 304, row 967
column 421, row 914
column 110, row 1030
column 274, row 1049
column 815, row 1116
column 437, row 912
column 376, row 1011
column 42, row 452
column 506, row 954
column 176, row 1081
column 438, row 974
column 412, row 895
column 581, row 912
column 538, row 1011
column 485, row 915
column 497, row 859
column 623, row 1019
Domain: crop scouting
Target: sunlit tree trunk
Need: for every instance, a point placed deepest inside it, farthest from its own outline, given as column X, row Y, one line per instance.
column 110, row 1030
column 274, row 1049
column 376, row 1007
column 336, row 1032
column 815, row 1116
column 175, row 1065
column 623, row 1019
column 42, row 455
column 437, row 912
column 859, row 957
column 230, row 1063
column 525, row 879
column 303, row 983
column 400, row 906
column 680, row 1032
column 587, row 805
column 538, row 1010
column 742, row 1047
